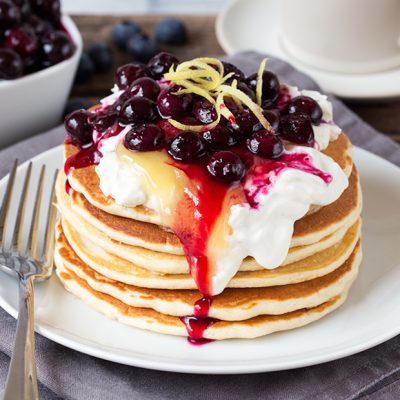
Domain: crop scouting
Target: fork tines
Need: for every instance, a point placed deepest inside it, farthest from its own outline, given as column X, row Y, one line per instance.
column 14, row 229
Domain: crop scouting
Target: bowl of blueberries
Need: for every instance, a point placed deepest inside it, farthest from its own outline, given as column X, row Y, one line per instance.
column 40, row 50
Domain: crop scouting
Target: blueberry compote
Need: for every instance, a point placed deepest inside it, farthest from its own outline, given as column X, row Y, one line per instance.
column 32, row 37
column 216, row 140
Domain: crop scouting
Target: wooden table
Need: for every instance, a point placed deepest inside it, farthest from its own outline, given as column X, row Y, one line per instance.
column 383, row 115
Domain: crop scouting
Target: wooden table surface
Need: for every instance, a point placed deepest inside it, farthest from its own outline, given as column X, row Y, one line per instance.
column 383, row 115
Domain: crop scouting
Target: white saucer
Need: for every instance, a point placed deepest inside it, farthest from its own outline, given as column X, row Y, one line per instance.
column 254, row 25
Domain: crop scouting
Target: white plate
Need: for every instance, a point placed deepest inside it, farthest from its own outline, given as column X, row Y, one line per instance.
column 362, row 322
column 255, row 25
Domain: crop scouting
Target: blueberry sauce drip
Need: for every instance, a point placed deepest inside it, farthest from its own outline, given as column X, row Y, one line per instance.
column 199, row 322
column 202, row 307
column 85, row 156
column 195, row 219
column 196, row 327
column 263, row 174
column 67, row 187
column 194, row 222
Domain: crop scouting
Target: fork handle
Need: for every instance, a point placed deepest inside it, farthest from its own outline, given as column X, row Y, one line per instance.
column 21, row 380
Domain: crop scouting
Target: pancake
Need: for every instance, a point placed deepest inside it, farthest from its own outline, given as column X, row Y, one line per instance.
column 145, row 318
column 86, row 182
column 231, row 304
column 121, row 270
column 160, row 262
column 308, row 230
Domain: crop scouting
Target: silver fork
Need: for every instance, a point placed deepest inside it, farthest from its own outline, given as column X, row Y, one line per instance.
column 29, row 261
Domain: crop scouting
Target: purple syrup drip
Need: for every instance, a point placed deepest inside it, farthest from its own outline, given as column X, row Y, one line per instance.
column 196, row 327
column 197, row 323
column 202, row 307
column 86, row 156
column 199, row 342
column 264, row 175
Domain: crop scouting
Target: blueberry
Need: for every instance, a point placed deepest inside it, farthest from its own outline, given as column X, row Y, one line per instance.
column 171, row 31
column 85, row 69
column 161, row 63
column 226, row 166
column 273, row 117
column 101, row 55
column 24, row 7
column 245, row 123
column 246, row 90
column 306, row 105
column 141, row 47
column 218, row 137
column 78, row 128
column 128, row 73
column 11, row 66
column 297, row 128
column 9, row 15
column 103, row 119
column 56, row 47
column 145, row 87
column 170, row 103
column 237, row 73
column 270, row 87
column 204, row 111
column 124, row 31
column 137, row 110
column 23, row 40
column 40, row 26
column 49, row 9
column 187, row 147
column 144, row 137
column 265, row 144
column 77, row 103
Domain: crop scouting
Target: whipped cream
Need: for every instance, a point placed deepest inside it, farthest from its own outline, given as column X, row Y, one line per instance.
column 117, row 177
column 112, row 98
column 265, row 232
column 119, row 181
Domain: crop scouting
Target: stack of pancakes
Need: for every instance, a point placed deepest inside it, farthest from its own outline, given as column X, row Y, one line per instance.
column 124, row 264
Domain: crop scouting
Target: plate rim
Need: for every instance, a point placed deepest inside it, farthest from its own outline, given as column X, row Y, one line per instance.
column 164, row 363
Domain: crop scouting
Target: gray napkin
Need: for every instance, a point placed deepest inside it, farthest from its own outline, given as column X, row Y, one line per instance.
column 372, row 374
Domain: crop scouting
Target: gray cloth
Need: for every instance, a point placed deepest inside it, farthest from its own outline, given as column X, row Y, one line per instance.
column 372, row 374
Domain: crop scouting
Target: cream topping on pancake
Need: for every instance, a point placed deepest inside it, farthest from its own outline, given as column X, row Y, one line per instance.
column 123, row 184
column 263, row 232
column 120, row 178
column 112, row 98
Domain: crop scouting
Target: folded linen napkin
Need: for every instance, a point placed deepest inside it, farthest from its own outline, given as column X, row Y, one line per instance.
column 67, row 374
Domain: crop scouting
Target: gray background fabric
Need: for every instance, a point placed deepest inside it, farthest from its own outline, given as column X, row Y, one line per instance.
column 64, row 373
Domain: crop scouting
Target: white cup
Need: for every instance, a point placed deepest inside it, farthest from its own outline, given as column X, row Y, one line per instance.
column 347, row 36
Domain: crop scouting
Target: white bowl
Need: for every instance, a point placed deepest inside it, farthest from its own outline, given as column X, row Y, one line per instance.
column 35, row 102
